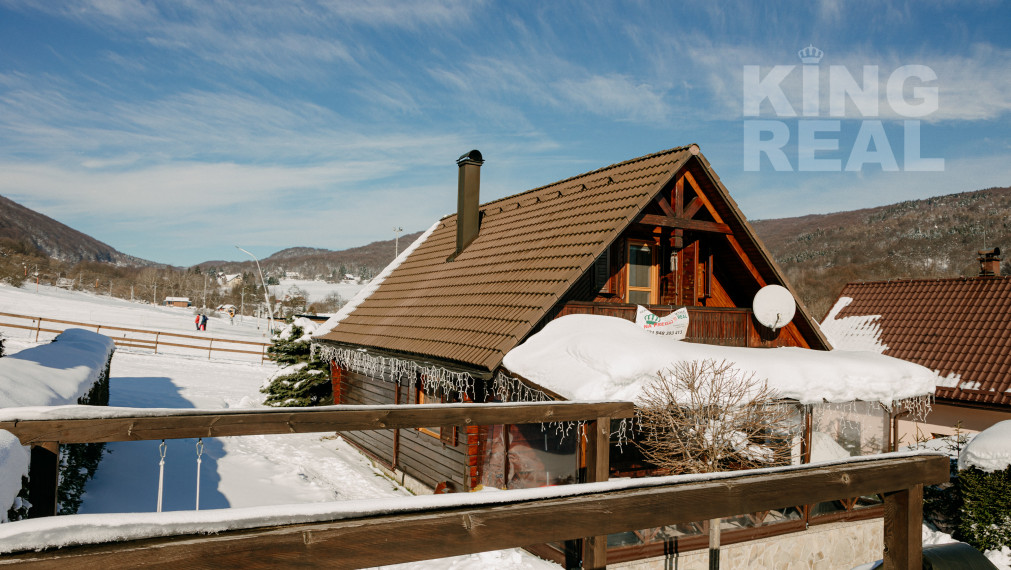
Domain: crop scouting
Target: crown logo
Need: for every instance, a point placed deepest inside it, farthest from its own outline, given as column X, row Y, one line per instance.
column 810, row 55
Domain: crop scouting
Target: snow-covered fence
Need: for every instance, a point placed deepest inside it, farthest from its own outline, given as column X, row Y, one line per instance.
column 358, row 534
column 138, row 338
column 73, row 369
column 366, row 533
column 77, row 424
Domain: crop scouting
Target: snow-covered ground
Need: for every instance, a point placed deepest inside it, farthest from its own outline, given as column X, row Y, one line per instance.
column 249, row 471
column 54, row 303
column 317, row 290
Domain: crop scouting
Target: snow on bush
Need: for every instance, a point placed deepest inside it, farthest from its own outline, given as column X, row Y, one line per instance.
column 990, row 450
column 72, row 369
column 591, row 357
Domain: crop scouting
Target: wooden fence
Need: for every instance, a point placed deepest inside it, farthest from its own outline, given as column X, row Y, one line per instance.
column 424, row 532
column 138, row 338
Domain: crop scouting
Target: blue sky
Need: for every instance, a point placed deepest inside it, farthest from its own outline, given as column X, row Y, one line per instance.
column 175, row 130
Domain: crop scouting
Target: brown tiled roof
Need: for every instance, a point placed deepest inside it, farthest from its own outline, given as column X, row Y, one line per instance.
column 955, row 326
column 531, row 248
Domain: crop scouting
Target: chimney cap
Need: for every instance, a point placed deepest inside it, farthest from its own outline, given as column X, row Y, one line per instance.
column 995, row 252
column 473, row 156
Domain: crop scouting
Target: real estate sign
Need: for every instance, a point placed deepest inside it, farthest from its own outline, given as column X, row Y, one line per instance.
column 674, row 324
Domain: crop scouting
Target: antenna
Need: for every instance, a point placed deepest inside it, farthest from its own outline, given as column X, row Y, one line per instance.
column 774, row 306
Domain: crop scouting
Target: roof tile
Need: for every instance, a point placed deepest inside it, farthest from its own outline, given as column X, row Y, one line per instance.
column 959, row 326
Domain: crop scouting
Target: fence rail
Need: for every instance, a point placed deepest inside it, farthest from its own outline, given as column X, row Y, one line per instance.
column 421, row 531
column 137, row 338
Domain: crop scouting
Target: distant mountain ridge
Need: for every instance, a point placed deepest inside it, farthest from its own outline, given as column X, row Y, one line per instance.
column 929, row 238
column 819, row 253
column 364, row 261
column 57, row 240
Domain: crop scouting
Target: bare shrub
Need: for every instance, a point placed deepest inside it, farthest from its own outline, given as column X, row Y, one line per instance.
column 705, row 416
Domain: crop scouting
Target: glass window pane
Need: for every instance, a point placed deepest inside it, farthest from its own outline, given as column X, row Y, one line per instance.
column 640, row 260
column 638, row 297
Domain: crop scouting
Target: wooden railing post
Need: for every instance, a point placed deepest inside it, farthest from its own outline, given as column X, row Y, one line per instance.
column 598, row 439
column 903, row 529
column 43, row 479
column 38, row 329
column 156, row 335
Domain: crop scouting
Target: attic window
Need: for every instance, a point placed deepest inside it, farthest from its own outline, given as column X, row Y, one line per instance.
column 641, row 272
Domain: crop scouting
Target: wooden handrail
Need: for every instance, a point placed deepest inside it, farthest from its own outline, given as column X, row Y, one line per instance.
column 426, row 527
column 131, row 424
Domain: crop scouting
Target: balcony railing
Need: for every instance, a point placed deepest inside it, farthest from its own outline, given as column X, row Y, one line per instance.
column 708, row 325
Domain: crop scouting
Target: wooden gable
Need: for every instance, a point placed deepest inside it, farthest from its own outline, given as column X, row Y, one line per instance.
column 696, row 259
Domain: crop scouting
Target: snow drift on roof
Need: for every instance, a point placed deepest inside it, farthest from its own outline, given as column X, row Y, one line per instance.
column 853, row 333
column 590, row 357
column 990, row 450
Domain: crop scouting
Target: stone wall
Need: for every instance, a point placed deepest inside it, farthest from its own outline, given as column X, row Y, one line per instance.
column 820, row 547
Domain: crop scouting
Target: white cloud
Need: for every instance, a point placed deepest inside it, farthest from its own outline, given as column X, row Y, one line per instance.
column 616, row 96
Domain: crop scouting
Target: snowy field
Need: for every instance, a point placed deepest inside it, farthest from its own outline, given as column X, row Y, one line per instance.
column 250, row 471
column 317, row 290
column 54, row 303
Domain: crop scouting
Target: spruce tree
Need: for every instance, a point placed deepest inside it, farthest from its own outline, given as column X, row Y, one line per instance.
column 304, row 381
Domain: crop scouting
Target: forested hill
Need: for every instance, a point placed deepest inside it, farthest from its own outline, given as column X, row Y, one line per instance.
column 26, row 229
column 933, row 237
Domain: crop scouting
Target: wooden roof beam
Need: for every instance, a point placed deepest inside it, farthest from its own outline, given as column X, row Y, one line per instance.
column 684, row 224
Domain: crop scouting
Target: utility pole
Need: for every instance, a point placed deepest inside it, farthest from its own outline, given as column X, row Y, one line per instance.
column 205, row 289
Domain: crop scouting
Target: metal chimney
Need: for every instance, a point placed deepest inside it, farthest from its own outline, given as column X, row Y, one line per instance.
column 468, row 217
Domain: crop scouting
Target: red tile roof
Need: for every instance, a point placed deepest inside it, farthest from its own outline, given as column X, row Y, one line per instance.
column 959, row 327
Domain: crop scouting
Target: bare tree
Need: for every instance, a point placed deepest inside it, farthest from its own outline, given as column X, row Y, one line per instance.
column 705, row 416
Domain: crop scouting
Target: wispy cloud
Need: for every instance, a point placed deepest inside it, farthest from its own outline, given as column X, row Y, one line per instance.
column 616, row 96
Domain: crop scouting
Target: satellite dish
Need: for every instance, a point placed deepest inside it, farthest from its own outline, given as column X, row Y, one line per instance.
column 774, row 306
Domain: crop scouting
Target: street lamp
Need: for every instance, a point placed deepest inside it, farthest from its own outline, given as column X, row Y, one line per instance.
column 396, row 233
column 270, row 314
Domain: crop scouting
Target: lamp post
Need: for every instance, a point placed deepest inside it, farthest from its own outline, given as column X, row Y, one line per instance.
column 396, row 241
column 270, row 314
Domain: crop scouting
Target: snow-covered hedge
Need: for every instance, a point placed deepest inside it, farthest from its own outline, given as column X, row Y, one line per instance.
column 985, row 481
column 73, row 369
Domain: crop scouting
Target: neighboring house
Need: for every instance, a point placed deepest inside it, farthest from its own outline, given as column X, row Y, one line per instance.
column 660, row 231
column 177, row 302
column 959, row 327
column 230, row 280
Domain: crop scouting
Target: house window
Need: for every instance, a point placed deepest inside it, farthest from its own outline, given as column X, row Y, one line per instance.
column 447, row 434
column 641, row 273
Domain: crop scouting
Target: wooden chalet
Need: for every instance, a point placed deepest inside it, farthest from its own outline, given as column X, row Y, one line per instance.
column 959, row 327
column 660, row 231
